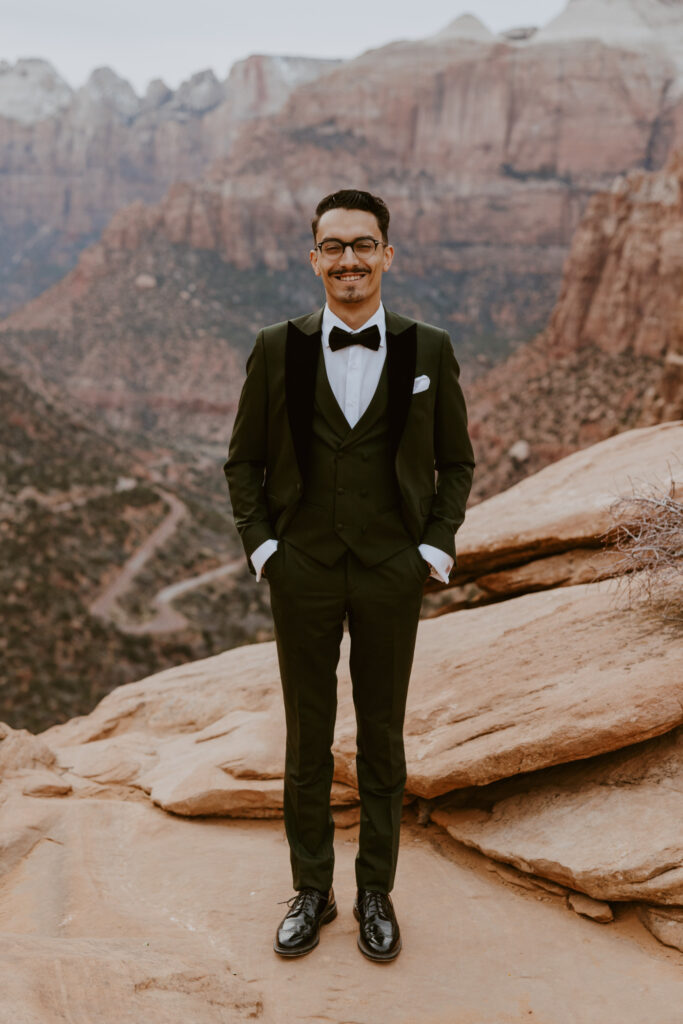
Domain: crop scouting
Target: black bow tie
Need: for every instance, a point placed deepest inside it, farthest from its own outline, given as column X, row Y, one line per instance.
column 370, row 337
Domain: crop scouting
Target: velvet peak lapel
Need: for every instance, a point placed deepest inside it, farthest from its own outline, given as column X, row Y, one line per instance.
column 401, row 362
column 302, row 350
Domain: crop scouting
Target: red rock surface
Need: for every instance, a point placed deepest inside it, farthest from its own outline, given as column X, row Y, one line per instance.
column 70, row 158
column 487, row 150
column 612, row 355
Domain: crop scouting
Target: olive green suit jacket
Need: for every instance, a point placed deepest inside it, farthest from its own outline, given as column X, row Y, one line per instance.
column 268, row 453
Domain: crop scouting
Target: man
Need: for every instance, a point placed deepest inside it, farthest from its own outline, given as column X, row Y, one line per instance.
column 344, row 417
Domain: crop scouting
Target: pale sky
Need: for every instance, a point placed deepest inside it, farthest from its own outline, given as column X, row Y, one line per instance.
column 172, row 39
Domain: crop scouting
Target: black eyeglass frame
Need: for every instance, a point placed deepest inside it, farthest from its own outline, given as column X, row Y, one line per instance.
column 344, row 245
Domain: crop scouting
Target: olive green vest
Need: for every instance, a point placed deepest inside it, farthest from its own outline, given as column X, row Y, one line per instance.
column 351, row 499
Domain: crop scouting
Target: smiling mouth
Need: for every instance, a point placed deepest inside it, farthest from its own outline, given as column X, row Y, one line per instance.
column 350, row 276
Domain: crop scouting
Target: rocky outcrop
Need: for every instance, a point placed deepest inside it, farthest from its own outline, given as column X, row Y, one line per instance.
column 121, row 911
column 612, row 354
column 544, row 738
column 665, row 923
column 207, row 738
column 502, row 549
column 71, row 158
column 518, row 708
column 486, row 148
column 182, row 382
column 20, row 751
column 467, row 26
column 32, row 90
column 609, row 360
column 624, row 275
column 634, row 24
column 521, row 706
column 609, row 827
column 487, row 176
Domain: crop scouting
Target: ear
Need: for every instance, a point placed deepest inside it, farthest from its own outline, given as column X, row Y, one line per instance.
column 313, row 256
column 388, row 256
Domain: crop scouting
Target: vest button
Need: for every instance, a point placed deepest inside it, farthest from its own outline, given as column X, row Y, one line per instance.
column 340, row 526
column 363, row 493
column 340, row 490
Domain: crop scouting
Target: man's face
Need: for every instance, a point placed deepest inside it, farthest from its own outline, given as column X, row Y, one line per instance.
column 350, row 279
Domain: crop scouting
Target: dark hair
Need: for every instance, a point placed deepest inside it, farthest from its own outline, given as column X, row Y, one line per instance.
column 353, row 199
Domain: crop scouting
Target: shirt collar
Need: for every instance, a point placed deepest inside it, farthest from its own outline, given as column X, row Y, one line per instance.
column 331, row 320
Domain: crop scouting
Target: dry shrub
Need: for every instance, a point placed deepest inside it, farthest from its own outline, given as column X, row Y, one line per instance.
column 647, row 531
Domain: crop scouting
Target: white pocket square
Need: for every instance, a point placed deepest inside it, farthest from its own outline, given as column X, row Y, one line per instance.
column 421, row 384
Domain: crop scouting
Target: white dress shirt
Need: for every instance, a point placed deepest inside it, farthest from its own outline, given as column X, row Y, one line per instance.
column 354, row 373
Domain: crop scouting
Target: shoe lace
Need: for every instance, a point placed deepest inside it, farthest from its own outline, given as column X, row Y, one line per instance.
column 375, row 902
column 304, row 900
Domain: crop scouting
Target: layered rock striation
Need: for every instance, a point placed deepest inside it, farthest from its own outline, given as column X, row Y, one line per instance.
column 70, row 158
column 611, row 356
column 487, row 149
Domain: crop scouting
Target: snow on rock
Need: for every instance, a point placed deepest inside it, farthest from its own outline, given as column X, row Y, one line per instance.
column 32, row 90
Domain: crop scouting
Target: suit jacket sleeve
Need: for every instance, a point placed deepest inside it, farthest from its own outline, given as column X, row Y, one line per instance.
column 247, row 455
column 453, row 455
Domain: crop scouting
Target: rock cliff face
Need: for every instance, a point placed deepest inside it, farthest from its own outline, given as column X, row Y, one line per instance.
column 486, row 147
column 623, row 280
column 612, row 354
column 635, row 24
column 487, row 174
column 152, row 339
column 70, row 158
column 152, row 331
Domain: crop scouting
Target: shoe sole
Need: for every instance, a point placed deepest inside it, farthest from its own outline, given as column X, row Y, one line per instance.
column 329, row 915
column 379, row 958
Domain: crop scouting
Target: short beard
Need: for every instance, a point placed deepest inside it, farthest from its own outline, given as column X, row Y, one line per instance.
column 350, row 294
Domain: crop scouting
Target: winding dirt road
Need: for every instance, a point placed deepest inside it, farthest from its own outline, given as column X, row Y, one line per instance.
column 166, row 618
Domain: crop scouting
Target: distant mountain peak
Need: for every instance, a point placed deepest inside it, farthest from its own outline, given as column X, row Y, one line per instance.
column 157, row 93
column 639, row 25
column 104, row 86
column 32, row 90
column 615, row 20
column 467, row 26
column 199, row 93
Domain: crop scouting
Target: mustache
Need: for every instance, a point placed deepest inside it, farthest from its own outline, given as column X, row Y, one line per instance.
column 349, row 270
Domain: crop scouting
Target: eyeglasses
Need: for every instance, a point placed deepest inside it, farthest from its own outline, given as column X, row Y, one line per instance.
column 362, row 247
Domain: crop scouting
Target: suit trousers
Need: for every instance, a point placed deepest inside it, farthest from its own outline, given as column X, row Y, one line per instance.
column 309, row 603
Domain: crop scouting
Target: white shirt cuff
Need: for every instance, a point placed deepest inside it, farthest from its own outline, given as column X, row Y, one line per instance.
column 260, row 556
column 440, row 562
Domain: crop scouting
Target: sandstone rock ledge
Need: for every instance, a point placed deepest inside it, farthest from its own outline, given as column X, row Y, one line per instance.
column 544, row 738
column 546, row 530
column 120, row 912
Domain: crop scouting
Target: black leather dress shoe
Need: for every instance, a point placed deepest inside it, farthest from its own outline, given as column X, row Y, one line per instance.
column 380, row 937
column 299, row 930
